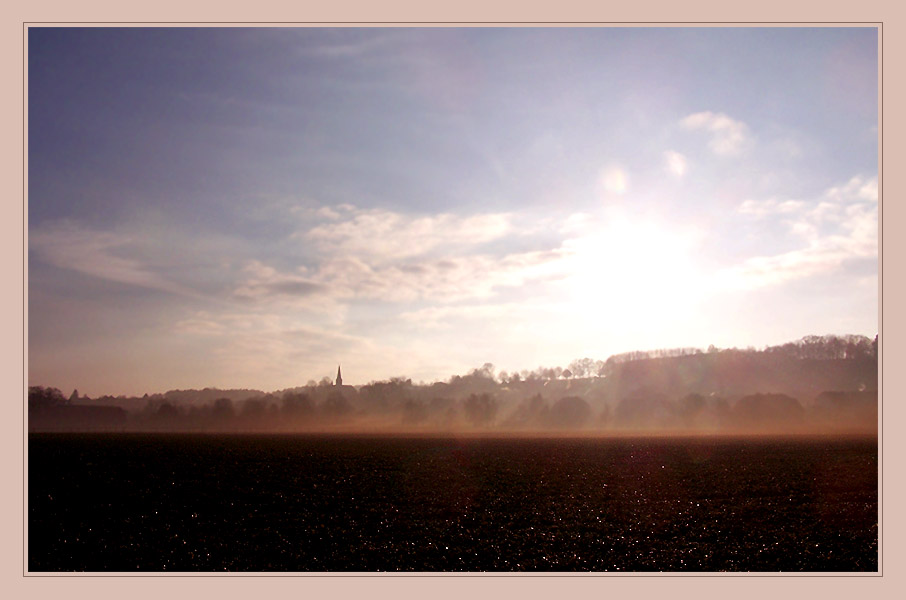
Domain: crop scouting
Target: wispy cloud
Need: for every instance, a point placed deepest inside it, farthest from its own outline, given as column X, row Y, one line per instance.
column 68, row 245
column 265, row 281
column 395, row 257
column 839, row 227
column 378, row 235
column 857, row 188
column 816, row 259
column 728, row 137
column 771, row 206
column 450, row 279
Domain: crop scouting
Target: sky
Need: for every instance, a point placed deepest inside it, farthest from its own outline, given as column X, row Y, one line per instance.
column 250, row 207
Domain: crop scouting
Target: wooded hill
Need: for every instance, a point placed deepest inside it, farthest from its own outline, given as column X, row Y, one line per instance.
column 831, row 381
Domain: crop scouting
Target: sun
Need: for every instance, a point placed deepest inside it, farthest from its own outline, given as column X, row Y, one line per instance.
column 634, row 272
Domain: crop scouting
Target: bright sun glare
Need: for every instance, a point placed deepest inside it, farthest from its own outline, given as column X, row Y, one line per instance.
column 638, row 271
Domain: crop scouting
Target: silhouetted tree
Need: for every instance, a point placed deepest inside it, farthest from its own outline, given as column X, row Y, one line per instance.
column 222, row 411
column 441, row 409
column 254, row 412
column 531, row 412
column 478, row 380
column 584, row 367
column 570, row 412
column 40, row 398
column 383, row 396
column 166, row 416
column 815, row 347
column 296, row 405
column 486, row 371
column 336, row 406
column 480, row 409
column 645, row 409
column 167, row 411
column 853, row 411
column 414, row 411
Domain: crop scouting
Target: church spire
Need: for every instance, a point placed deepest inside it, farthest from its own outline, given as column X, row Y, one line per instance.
column 339, row 377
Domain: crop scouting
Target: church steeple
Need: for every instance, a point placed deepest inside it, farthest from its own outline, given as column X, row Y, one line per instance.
column 339, row 377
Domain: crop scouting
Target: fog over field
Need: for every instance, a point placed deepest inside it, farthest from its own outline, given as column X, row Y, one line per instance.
column 817, row 385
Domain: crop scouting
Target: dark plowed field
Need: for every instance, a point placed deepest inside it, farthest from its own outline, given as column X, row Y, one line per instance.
column 129, row 502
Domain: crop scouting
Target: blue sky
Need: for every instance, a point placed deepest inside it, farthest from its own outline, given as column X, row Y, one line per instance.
column 239, row 207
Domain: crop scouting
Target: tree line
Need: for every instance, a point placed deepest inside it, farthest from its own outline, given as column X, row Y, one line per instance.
column 670, row 389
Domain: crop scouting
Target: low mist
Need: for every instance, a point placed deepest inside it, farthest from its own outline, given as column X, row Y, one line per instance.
column 816, row 385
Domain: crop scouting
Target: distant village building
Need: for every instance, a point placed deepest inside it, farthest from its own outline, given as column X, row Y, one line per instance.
column 339, row 382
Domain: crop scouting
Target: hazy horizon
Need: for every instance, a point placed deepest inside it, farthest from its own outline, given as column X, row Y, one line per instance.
column 554, row 372
column 250, row 207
